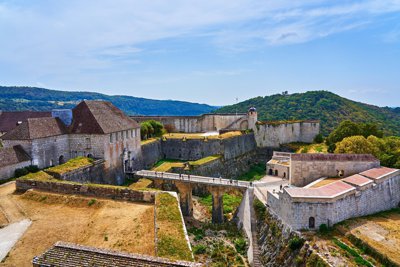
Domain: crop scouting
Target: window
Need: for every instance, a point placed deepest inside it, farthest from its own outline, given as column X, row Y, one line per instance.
column 111, row 137
column 132, row 135
column 126, row 133
column 87, row 143
column 117, row 136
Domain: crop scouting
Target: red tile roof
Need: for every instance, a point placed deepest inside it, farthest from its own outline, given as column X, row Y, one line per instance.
column 377, row 173
column 327, row 191
column 13, row 155
column 9, row 119
column 357, row 180
column 100, row 117
column 34, row 128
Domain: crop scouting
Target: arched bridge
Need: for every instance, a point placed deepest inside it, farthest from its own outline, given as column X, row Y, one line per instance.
column 184, row 183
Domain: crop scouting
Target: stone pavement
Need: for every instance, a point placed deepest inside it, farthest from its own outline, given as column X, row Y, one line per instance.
column 268, row 183
column 10, row 235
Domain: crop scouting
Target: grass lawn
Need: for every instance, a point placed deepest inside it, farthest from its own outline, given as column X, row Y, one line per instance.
column 255, row 173
column 171, row 241
column 71, row 165
column 148, row 141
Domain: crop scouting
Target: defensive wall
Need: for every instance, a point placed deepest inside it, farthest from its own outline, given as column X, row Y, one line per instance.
column 306, row 168
column 195, row 149
column 362, row 194
column 203, row 123
column 273, row 134
column 104, row 191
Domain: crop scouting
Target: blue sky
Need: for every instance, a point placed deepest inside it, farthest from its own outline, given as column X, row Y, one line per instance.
column 204, row 51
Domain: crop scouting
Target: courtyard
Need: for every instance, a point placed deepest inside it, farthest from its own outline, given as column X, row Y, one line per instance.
column 103, row 223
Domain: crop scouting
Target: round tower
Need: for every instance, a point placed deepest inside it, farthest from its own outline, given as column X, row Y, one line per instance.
column 252, row 117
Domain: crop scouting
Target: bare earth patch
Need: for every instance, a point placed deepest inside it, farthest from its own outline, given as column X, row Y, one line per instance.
column 100, row 223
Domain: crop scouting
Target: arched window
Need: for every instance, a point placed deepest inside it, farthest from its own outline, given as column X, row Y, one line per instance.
column 270, row 172
column 311, row 223
column 284, row 175
column 61, row 160
column 276, row 172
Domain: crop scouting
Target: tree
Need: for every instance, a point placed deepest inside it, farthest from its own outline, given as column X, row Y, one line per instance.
column 345, row 129
column 369, row 129
column 157, row 127
column 356, row 145
column 143, row 131
column 318, row 139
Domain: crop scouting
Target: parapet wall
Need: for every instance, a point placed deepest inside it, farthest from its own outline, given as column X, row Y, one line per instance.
column 112, row 192
column 275, row 134
column 199, row 124
column 306, row 168
column 380, row 196
column 195, row 149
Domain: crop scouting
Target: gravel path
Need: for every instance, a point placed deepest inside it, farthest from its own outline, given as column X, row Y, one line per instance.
column 10, row 234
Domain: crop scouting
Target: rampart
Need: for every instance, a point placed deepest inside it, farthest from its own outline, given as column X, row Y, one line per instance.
column 198, row 124
column 273, row 134
column 306, row 168
column 104, row 191
column 309, row 208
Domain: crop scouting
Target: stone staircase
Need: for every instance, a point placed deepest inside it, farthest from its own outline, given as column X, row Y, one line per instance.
column 254, row 237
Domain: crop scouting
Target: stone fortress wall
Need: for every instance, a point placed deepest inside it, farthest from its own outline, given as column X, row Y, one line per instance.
column 306, row 168
column 273, row 134
column 203, row 123
column 381, row 194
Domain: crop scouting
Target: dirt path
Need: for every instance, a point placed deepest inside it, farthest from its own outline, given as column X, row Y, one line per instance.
column 9, row 209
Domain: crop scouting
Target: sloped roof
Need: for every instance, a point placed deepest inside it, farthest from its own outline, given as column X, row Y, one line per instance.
column 9, row 119
column 327, row 191
column 100, row 117
column 67, row 254
column 378, row 173
column 357, row 180
column 34, row 128
column 13, row 155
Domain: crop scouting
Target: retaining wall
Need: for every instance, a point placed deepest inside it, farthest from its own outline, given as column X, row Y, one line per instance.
column 112, row 192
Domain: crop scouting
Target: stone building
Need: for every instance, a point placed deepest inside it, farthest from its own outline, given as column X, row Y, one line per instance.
column 362, row 194
column 93, row 129
column 305, row 168
column 12, row 158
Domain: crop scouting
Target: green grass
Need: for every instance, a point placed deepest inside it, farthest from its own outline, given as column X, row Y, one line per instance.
column 71, row 165
column 171, row 241
column 255, row 173
column 231, row 202
column 38, row 176
column 357, row 257
column 204, row 160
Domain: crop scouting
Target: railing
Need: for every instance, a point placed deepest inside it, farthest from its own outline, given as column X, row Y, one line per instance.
column 193, row 178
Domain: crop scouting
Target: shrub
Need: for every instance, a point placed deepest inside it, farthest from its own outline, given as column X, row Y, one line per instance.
column 199, row 249
column 296, row 243
column 91, row 202
column 324, row 229
column 32, row 168
column 20, row 172
column 240, row 245
column 319, row 138
column 260, row 209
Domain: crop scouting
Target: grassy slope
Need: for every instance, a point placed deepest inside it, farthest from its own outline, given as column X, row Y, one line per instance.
column 330, row 108
column 32, row 98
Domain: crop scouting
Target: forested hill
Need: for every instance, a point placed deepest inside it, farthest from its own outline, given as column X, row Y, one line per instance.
column 32, row 98
column 325, row 106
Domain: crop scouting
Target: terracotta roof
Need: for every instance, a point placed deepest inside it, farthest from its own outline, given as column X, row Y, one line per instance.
column 377, row 173
column 332, row 157
column 100, row 117
column 327, row 191
column 66, row 254
column 34, row 128
column 13, row 155
column 357, row 180
column 9, row 119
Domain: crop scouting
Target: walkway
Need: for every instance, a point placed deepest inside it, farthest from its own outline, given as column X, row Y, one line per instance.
column 193, row 179
column 268, row 184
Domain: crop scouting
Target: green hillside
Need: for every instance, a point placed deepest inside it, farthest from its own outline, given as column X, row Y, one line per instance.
column 32, row 98
column 330, row 108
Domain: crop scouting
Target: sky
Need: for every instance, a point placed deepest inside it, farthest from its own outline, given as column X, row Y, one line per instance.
column 204, row 51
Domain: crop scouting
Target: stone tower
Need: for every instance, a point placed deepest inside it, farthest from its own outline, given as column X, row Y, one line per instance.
column 252, row 117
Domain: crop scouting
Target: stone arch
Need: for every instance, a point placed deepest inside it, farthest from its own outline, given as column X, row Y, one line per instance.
column 276, row 173
column 284, row 175
column 61, row 160
column 311, row 222
column 90, row 155
column 270, row 172
column 244, row 125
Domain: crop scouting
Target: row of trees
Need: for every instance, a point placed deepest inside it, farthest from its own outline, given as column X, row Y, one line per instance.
column 365, row 138
column 151, row 128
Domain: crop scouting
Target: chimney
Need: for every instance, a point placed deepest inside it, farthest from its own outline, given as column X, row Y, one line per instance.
column 65, row 115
